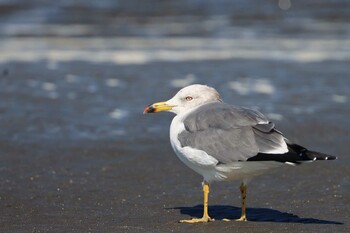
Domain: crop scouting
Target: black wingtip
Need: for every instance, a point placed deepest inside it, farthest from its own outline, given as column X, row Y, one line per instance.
column 296, row 156
column 320, row 156
column 331, row 157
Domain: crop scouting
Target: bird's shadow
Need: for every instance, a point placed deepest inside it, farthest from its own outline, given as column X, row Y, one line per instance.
column 220, row 212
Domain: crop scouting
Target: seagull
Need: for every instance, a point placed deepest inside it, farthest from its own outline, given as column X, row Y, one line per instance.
column 223, row 142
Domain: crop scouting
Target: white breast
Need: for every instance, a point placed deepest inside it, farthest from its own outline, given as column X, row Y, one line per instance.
column 197, row 160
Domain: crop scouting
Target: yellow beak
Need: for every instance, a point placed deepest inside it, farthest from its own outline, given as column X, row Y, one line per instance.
column 157, row 107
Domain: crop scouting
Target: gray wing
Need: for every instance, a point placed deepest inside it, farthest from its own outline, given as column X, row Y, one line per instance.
column 230, row 133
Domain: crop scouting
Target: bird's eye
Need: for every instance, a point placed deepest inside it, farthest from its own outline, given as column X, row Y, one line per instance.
column 189, row 98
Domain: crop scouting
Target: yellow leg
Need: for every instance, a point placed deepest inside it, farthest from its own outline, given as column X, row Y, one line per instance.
column 243, row 189
column 243, row 217
column 205, row 217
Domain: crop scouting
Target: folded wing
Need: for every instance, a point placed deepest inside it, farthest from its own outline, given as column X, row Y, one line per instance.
column 230, row 133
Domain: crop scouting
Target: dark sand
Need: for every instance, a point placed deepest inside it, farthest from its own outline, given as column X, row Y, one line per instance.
column 77, row 155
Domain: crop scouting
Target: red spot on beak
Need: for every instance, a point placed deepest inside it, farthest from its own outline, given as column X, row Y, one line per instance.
column 149, row 109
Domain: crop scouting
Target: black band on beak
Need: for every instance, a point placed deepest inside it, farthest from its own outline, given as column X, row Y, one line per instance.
column 149, row 109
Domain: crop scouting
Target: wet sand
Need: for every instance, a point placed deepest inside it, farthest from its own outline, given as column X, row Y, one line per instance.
column 78, row 155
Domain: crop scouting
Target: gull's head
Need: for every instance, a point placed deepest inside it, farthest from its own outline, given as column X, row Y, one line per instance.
column 187, row 98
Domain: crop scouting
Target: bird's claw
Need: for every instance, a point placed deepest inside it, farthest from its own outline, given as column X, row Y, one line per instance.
column 241, row 219
column 198, row 220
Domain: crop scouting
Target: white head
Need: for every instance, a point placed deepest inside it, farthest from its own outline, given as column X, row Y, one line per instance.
column 187, row 98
